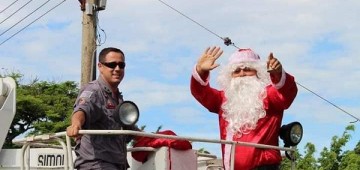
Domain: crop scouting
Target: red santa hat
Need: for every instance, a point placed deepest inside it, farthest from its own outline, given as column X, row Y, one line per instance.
column 243, row 55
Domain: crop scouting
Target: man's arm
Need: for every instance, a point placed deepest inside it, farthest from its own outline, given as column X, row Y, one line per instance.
column 77, row 120
column 282, row 97
column 131, row 137
column 274, row 68
column 199, row 84
column 284, row 88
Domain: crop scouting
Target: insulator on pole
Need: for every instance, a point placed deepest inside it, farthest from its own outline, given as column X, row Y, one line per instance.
column 82, row 4
column 227, row 41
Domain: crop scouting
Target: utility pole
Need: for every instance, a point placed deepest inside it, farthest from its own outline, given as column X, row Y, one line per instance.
column 89, row 9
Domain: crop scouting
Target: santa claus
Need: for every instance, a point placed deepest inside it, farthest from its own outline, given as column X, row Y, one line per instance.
column 250, row 103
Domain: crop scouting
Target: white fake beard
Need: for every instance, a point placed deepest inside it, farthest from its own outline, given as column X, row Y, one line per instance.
column 244, row 105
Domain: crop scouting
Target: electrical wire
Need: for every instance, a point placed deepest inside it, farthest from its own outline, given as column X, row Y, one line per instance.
column 98, row 35
column 227, row 40
column 25, row 17
column 32, row 22
column 15, row 12
column 8, row 6
column 357, row 119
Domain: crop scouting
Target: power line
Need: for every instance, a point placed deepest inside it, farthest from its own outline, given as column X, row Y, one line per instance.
column 228, row 41
column 357, row 119
column 8, row 6
column 24, row 18
column 33, row 22
column 98, row 35
column 15, row 12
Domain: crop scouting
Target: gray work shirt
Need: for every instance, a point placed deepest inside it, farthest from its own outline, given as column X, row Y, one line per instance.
column 99, row 104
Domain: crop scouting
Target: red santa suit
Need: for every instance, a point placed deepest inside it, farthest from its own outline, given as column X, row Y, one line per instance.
column 280, row 95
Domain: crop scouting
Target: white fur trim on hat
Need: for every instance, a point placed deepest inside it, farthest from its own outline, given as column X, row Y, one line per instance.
column 243, row 55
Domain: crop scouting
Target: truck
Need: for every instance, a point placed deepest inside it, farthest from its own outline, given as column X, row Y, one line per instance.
column 55, row 152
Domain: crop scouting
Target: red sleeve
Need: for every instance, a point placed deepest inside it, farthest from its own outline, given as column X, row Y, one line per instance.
column 209, row 97
column 282, row 98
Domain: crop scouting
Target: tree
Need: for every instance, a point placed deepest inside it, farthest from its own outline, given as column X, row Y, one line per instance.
column 286, row 162
column 41, row 107
column 331, row 159
column 357, row 148
column 308, row 162
column 57, row 100
column 351, row 159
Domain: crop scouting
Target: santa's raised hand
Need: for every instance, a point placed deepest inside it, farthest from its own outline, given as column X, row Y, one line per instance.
column 274, row 65
column 207, row 60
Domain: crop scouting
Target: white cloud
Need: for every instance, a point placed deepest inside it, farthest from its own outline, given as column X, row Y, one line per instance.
column 151, row 93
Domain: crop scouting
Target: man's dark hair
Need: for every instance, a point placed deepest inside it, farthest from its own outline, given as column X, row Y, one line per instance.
column 106, row 51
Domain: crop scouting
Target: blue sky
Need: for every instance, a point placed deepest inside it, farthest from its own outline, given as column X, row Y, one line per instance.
column 316, row 41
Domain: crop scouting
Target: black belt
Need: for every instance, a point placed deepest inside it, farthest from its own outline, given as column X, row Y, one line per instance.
column 267, row 167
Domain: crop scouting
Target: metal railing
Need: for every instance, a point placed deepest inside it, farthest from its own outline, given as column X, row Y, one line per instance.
column 33, row 141
column 26, row 142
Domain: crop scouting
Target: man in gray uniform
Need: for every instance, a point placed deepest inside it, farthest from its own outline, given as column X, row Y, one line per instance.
column 94, row 109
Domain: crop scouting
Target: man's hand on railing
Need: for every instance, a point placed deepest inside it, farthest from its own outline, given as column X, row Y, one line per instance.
column 73, row 131
column 77, row 120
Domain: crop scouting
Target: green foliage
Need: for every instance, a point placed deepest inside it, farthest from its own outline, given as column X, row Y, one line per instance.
column 357, row 148
column 41, row 107
column 308, row 162
column 331, row 159
column 203, row 150
column 350, row 161
column 286, row 163
column 158, row 129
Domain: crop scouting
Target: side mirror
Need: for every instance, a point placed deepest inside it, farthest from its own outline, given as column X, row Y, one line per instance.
column 127, row 113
